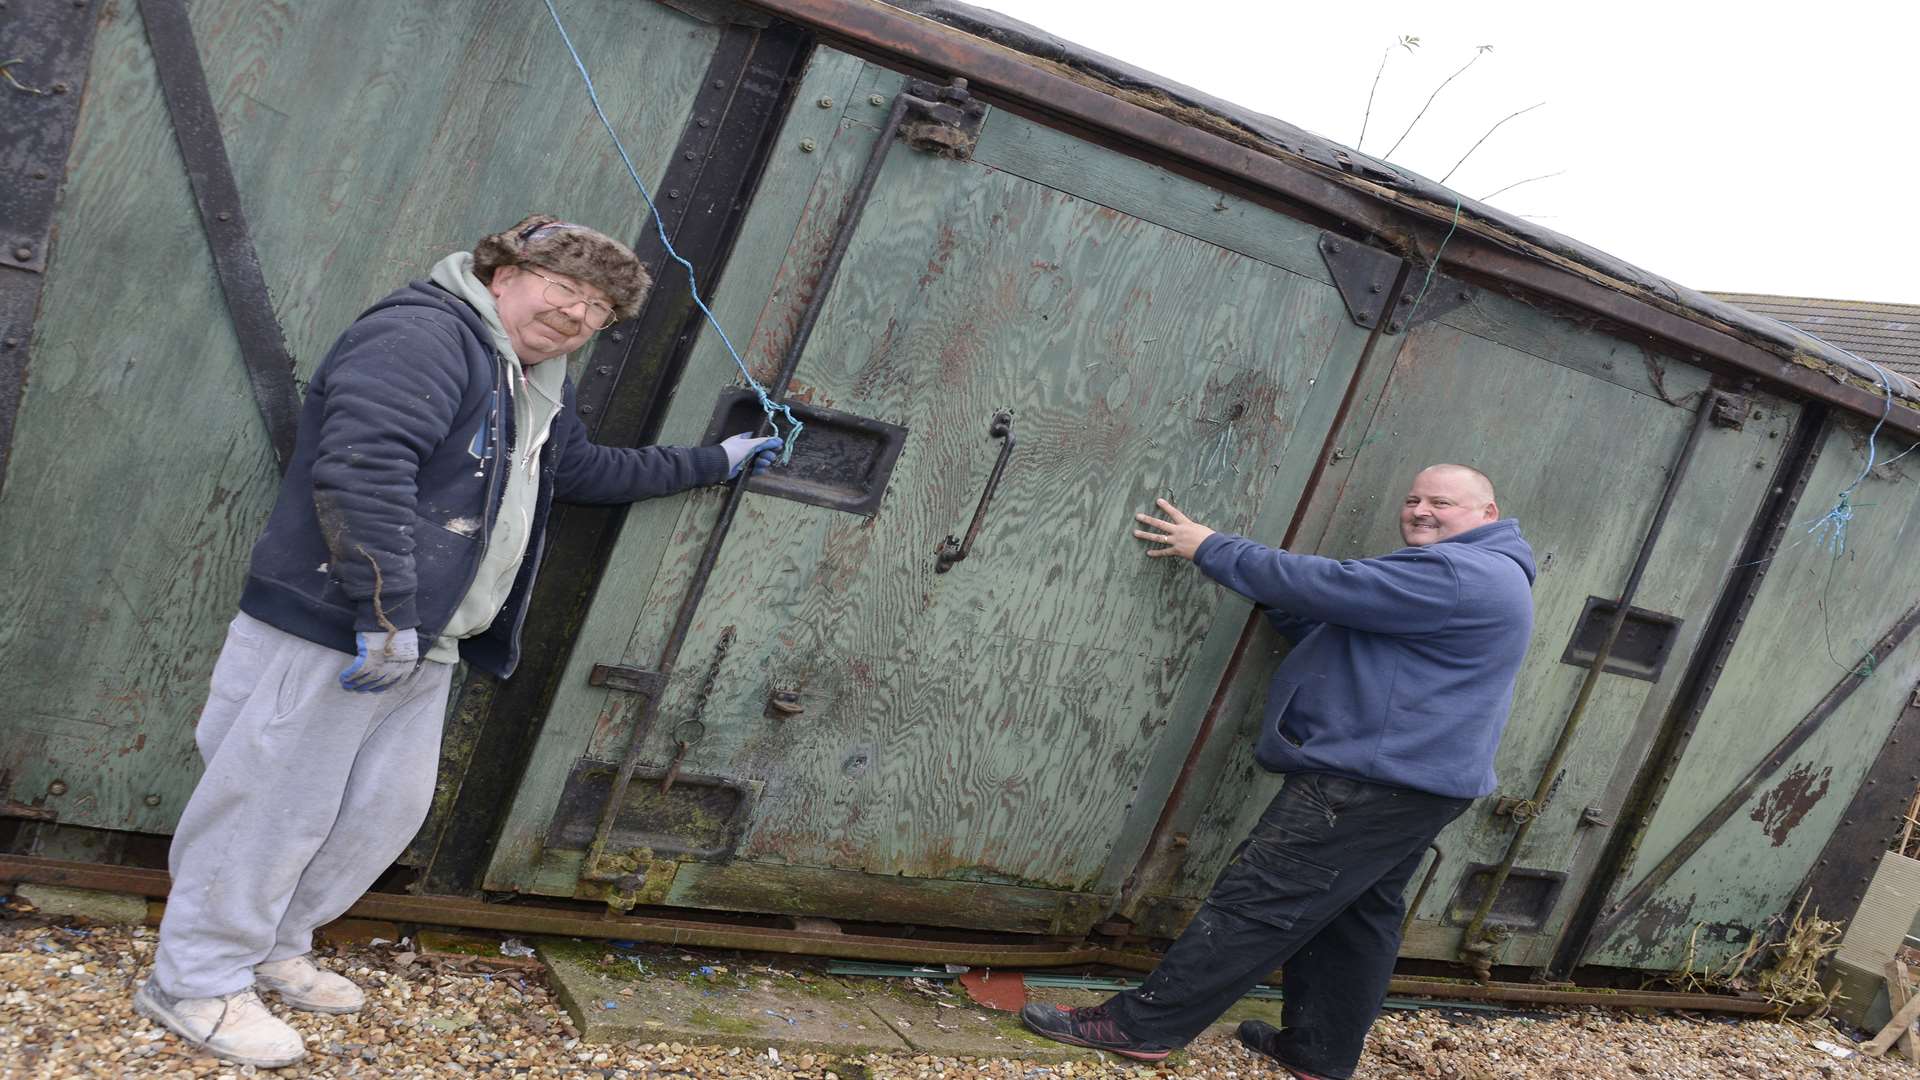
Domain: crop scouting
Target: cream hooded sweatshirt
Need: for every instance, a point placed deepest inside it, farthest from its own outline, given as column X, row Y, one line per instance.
column 535, row 392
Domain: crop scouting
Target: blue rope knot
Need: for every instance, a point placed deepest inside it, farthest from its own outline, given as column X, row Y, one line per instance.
column 767, row 404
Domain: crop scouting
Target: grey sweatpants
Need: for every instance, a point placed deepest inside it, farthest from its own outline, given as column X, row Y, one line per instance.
column 310, row 793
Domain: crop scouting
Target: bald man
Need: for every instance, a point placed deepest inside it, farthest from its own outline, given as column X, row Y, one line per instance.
column 1384, row 717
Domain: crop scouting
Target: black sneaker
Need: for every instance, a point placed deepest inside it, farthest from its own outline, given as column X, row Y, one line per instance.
column 1091, row 1027
column 1263, row 1038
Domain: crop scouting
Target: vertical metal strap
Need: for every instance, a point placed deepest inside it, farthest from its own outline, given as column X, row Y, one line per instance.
column 46, row 49
column 196, row 127
column 1475, row 946
column 1709, row 661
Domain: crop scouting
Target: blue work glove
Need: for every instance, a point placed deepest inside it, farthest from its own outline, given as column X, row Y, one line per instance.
column 385, row 660
column 746, row 445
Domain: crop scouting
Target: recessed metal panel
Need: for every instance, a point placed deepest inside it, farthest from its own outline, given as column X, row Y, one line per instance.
column 1525, row 902
column 841, row 461
column 699, row 816
column 1640, row 652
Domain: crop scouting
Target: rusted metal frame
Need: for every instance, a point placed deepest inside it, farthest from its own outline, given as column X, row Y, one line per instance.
column 1709, row 661
column 730, row 131
column 649, row 709
column 1023, row 85
column 1160, row 846
column 196, row 128
column 531, row 918
column 1474, row 946
column 1870, row 826
column 953, row 549
column 53, row 45
column 1420, row 894
column 1750, row 782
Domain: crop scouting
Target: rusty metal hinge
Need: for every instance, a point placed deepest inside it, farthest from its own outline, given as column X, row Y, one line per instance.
column 632, row 680
column 943, row 120
column 1730, row 410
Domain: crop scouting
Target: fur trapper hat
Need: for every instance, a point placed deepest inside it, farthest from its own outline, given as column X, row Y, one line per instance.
column 574, row 250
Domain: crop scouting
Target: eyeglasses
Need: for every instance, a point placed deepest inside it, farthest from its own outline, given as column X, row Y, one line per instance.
column 562, row 295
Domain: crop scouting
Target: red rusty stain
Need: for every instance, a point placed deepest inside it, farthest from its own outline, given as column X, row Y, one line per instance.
column 1780, row 809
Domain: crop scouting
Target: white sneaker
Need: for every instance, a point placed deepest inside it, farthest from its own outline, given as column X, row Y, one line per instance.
column 301, row 984
column 236, row 1028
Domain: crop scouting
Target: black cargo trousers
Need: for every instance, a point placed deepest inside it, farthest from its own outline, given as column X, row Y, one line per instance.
column 1317, row 890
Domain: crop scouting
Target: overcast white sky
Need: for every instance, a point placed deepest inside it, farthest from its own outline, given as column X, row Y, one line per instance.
column 1760, row 147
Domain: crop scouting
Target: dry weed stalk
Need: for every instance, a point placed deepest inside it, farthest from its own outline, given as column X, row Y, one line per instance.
column 1790, row 983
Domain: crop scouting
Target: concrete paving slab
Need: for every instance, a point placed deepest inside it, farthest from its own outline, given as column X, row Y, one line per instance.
column 630, row 992
column 116, row 909
column 937, row 1018
column 643, row 995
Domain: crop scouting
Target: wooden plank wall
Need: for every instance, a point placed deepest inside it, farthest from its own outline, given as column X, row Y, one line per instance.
column 1816, row 614
column 1577, row 430
column 994, row 723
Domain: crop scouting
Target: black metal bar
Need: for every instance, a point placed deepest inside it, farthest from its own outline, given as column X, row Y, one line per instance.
column 1750, row 781
column 47, row 49
column 649, row 709
column 708, row 142
column 730, row 131
column 953, row 549
column 1473, row 946
column 1871, row 824
column 1709, row 659
column 196, row 127
column 1420, row 894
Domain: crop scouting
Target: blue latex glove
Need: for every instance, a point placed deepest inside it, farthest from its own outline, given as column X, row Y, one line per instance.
column 745, row 445
column 385, row 660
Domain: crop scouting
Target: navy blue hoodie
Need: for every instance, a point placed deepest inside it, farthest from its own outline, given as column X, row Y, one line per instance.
column 1403, row 665
column 398, row 470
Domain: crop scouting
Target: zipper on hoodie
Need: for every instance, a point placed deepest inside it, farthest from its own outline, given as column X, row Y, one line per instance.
column 496, row 479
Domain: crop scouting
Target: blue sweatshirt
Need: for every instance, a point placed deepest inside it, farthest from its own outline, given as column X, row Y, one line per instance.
column 398, row 472
column 1403, row 665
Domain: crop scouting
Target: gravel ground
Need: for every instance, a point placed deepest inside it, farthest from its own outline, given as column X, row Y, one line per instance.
column 65, row 1012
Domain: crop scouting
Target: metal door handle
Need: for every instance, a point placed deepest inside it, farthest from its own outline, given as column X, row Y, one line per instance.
column 953, row 549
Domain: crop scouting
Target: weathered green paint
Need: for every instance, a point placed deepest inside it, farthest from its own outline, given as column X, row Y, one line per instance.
column 991, row 724
column 139, row 474
column 785, row 189
column 1460, row 390
column 987, row 748
column 1813, row 619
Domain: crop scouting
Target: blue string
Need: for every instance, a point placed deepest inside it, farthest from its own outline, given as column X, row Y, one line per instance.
column 766, row 403
column 1830, row 529
column 1435, row 264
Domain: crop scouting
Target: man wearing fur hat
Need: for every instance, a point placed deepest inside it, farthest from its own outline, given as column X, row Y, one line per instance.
column 433, row 440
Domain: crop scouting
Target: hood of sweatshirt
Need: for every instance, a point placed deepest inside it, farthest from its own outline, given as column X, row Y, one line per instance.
column 1503, row 538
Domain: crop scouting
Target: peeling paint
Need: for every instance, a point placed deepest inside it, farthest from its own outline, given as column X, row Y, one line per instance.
column 1782, row 807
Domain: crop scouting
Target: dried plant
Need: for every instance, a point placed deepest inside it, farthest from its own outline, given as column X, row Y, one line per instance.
column 1797, row 948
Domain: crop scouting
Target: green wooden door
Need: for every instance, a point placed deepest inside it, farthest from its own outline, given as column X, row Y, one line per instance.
column 978, row 747
column 1818, row 612
column 368, row 140
column 1533, row 401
